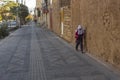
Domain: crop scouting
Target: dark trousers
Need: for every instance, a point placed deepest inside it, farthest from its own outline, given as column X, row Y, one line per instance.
column 79, row 42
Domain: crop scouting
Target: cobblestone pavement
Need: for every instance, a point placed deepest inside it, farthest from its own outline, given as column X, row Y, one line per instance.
column 33, row 53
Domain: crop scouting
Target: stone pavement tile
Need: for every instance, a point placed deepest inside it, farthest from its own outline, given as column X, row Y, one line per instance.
column 36, row 67
column 61, row 61
column 38, row 54
column 66, row 78
column 95, row 77
column 14, row 55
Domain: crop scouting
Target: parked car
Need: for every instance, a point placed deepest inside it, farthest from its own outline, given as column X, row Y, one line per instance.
column 12, row 24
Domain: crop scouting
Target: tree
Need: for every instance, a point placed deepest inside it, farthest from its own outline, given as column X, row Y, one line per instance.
column 22, row 13
column 11, row 9
column 0, row 18
column 5, row 10
column 29, row 17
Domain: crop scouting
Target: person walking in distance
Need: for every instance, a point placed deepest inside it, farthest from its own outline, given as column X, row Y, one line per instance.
column 79, row 35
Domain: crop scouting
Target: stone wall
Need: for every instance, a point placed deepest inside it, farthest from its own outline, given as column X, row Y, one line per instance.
column 56, row 16
column 101, row 19
column 67, row 28
column 62, row 14
column 64, row 3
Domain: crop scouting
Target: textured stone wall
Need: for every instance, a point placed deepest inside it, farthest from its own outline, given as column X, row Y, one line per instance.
column 101, row 18
column 65, row 3
column 56, row 17
column 67, row 28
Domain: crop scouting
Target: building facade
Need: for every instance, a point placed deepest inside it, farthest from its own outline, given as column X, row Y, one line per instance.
column 37, row 10
column 101, row 21
column 41, row 11
column 99, row 18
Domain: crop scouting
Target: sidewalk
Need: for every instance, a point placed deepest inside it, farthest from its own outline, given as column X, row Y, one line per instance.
column 59, row 60
column 34, row 53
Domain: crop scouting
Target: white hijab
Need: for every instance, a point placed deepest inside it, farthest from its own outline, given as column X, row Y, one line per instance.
column 80, row 30
column 79, row 27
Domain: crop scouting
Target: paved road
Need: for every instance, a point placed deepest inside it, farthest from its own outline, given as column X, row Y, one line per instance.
column 33, row 53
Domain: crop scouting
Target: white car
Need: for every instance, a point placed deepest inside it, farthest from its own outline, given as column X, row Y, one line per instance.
column 12, row 24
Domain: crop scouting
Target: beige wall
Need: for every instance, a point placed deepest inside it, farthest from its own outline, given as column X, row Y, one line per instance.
column 38, row 3
column 101, row 18
column 56, row 17
column 62, row 15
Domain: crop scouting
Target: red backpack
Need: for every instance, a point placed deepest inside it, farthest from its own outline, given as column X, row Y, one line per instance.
column 76, row 34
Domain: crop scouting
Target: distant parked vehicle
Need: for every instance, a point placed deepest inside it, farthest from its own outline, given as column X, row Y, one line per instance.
column 12, row 24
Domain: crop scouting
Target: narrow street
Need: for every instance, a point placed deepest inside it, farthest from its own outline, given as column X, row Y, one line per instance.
column 34, row 53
